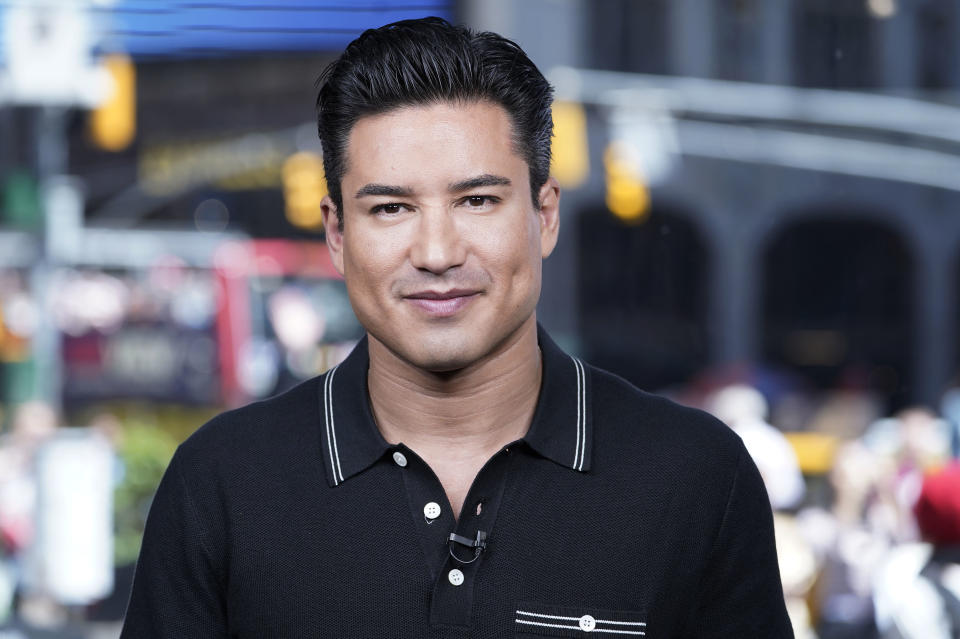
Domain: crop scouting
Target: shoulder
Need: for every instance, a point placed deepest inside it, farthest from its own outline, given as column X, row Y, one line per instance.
column 623, row 407
column 653, row 429
column 266, row 429
column 222, row 472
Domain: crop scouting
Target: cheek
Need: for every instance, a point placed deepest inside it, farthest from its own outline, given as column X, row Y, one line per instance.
column 369, row 257
column 516, row 247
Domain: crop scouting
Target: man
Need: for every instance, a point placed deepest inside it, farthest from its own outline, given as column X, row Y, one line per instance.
column 458, row 475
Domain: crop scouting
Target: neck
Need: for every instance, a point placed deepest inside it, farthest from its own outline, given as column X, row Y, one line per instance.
column 470, row 412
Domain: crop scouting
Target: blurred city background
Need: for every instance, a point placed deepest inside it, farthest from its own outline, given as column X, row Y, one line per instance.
column 761, row 217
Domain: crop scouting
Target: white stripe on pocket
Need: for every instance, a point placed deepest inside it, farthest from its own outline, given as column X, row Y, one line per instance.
column 524, row 618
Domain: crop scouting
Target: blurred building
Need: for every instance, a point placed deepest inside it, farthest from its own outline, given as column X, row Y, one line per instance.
column 805, row 218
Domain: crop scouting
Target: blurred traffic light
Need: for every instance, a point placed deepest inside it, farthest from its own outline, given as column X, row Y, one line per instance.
column 113, row 124
column 570, row 162
column 627, row 195
column 21, row 200
column 304, row 186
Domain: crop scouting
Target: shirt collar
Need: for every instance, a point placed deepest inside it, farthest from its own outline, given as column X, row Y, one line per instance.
column 561, row 429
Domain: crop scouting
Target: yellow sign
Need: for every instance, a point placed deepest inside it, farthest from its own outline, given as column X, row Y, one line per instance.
column 815, row 451
column 249, row 161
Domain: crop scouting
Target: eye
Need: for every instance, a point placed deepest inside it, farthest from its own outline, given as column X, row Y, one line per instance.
column 390, row 208
column 480, row 201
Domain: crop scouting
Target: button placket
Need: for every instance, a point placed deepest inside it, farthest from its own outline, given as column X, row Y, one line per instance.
column 451, row 604
column 425, row 497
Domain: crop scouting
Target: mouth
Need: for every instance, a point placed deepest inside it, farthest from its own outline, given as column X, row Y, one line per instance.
column 442, row 303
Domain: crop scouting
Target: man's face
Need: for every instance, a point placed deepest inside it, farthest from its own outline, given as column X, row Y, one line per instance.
column 441, row 247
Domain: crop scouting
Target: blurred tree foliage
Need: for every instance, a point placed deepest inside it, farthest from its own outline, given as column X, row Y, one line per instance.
column 145, row 451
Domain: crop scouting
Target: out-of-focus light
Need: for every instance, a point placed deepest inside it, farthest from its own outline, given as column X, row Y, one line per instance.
column 211, row 215
column 113, row 124
column 304, row 186
column 259, row 367
column 882, row 8
column 627, row 195
column 295, row 321
column 570, row 162
column 195, row 302
column 90, row 301
column 22, row 316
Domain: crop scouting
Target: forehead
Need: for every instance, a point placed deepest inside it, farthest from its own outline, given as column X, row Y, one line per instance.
column 447, row 139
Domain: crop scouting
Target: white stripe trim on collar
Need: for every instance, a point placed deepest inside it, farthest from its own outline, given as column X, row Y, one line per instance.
column 330, row 426
column 581, row 448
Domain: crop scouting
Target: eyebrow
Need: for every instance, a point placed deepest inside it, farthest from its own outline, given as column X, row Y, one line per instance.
column 384, row 189
column 477, row 182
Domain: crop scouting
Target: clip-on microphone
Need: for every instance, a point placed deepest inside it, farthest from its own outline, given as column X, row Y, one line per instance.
column 479, row 545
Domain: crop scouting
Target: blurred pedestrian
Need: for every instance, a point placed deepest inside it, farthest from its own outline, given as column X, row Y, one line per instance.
column 745, row 410
column 918, row 593
column 33, row 424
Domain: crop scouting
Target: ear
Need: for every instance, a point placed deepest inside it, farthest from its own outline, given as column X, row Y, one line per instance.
column 549, row 213
column 333, row 232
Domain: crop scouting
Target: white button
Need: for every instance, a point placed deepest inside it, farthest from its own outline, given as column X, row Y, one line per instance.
column 455, row 577
column 431, row 510
column 587, row 623
column 400, row 459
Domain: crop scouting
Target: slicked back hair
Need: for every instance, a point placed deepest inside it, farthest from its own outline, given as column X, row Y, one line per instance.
column 430, row 61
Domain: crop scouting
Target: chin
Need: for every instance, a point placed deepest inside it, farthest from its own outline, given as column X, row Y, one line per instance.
column 443, row 347
column 445, row 358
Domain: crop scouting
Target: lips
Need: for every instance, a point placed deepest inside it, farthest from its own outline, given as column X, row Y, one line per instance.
column 442, row 303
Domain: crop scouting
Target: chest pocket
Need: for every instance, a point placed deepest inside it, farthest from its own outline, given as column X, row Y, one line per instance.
column 541, row 620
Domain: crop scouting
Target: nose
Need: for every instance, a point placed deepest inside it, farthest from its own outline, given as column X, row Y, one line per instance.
column 438, row 245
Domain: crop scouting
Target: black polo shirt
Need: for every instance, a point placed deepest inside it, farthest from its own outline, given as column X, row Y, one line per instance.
column 619, row 514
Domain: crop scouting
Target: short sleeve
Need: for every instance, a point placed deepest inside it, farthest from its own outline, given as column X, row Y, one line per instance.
column 178, row 583
column 741, row 594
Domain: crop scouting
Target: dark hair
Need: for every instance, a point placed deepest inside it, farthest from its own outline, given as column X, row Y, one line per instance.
column 429, row 61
